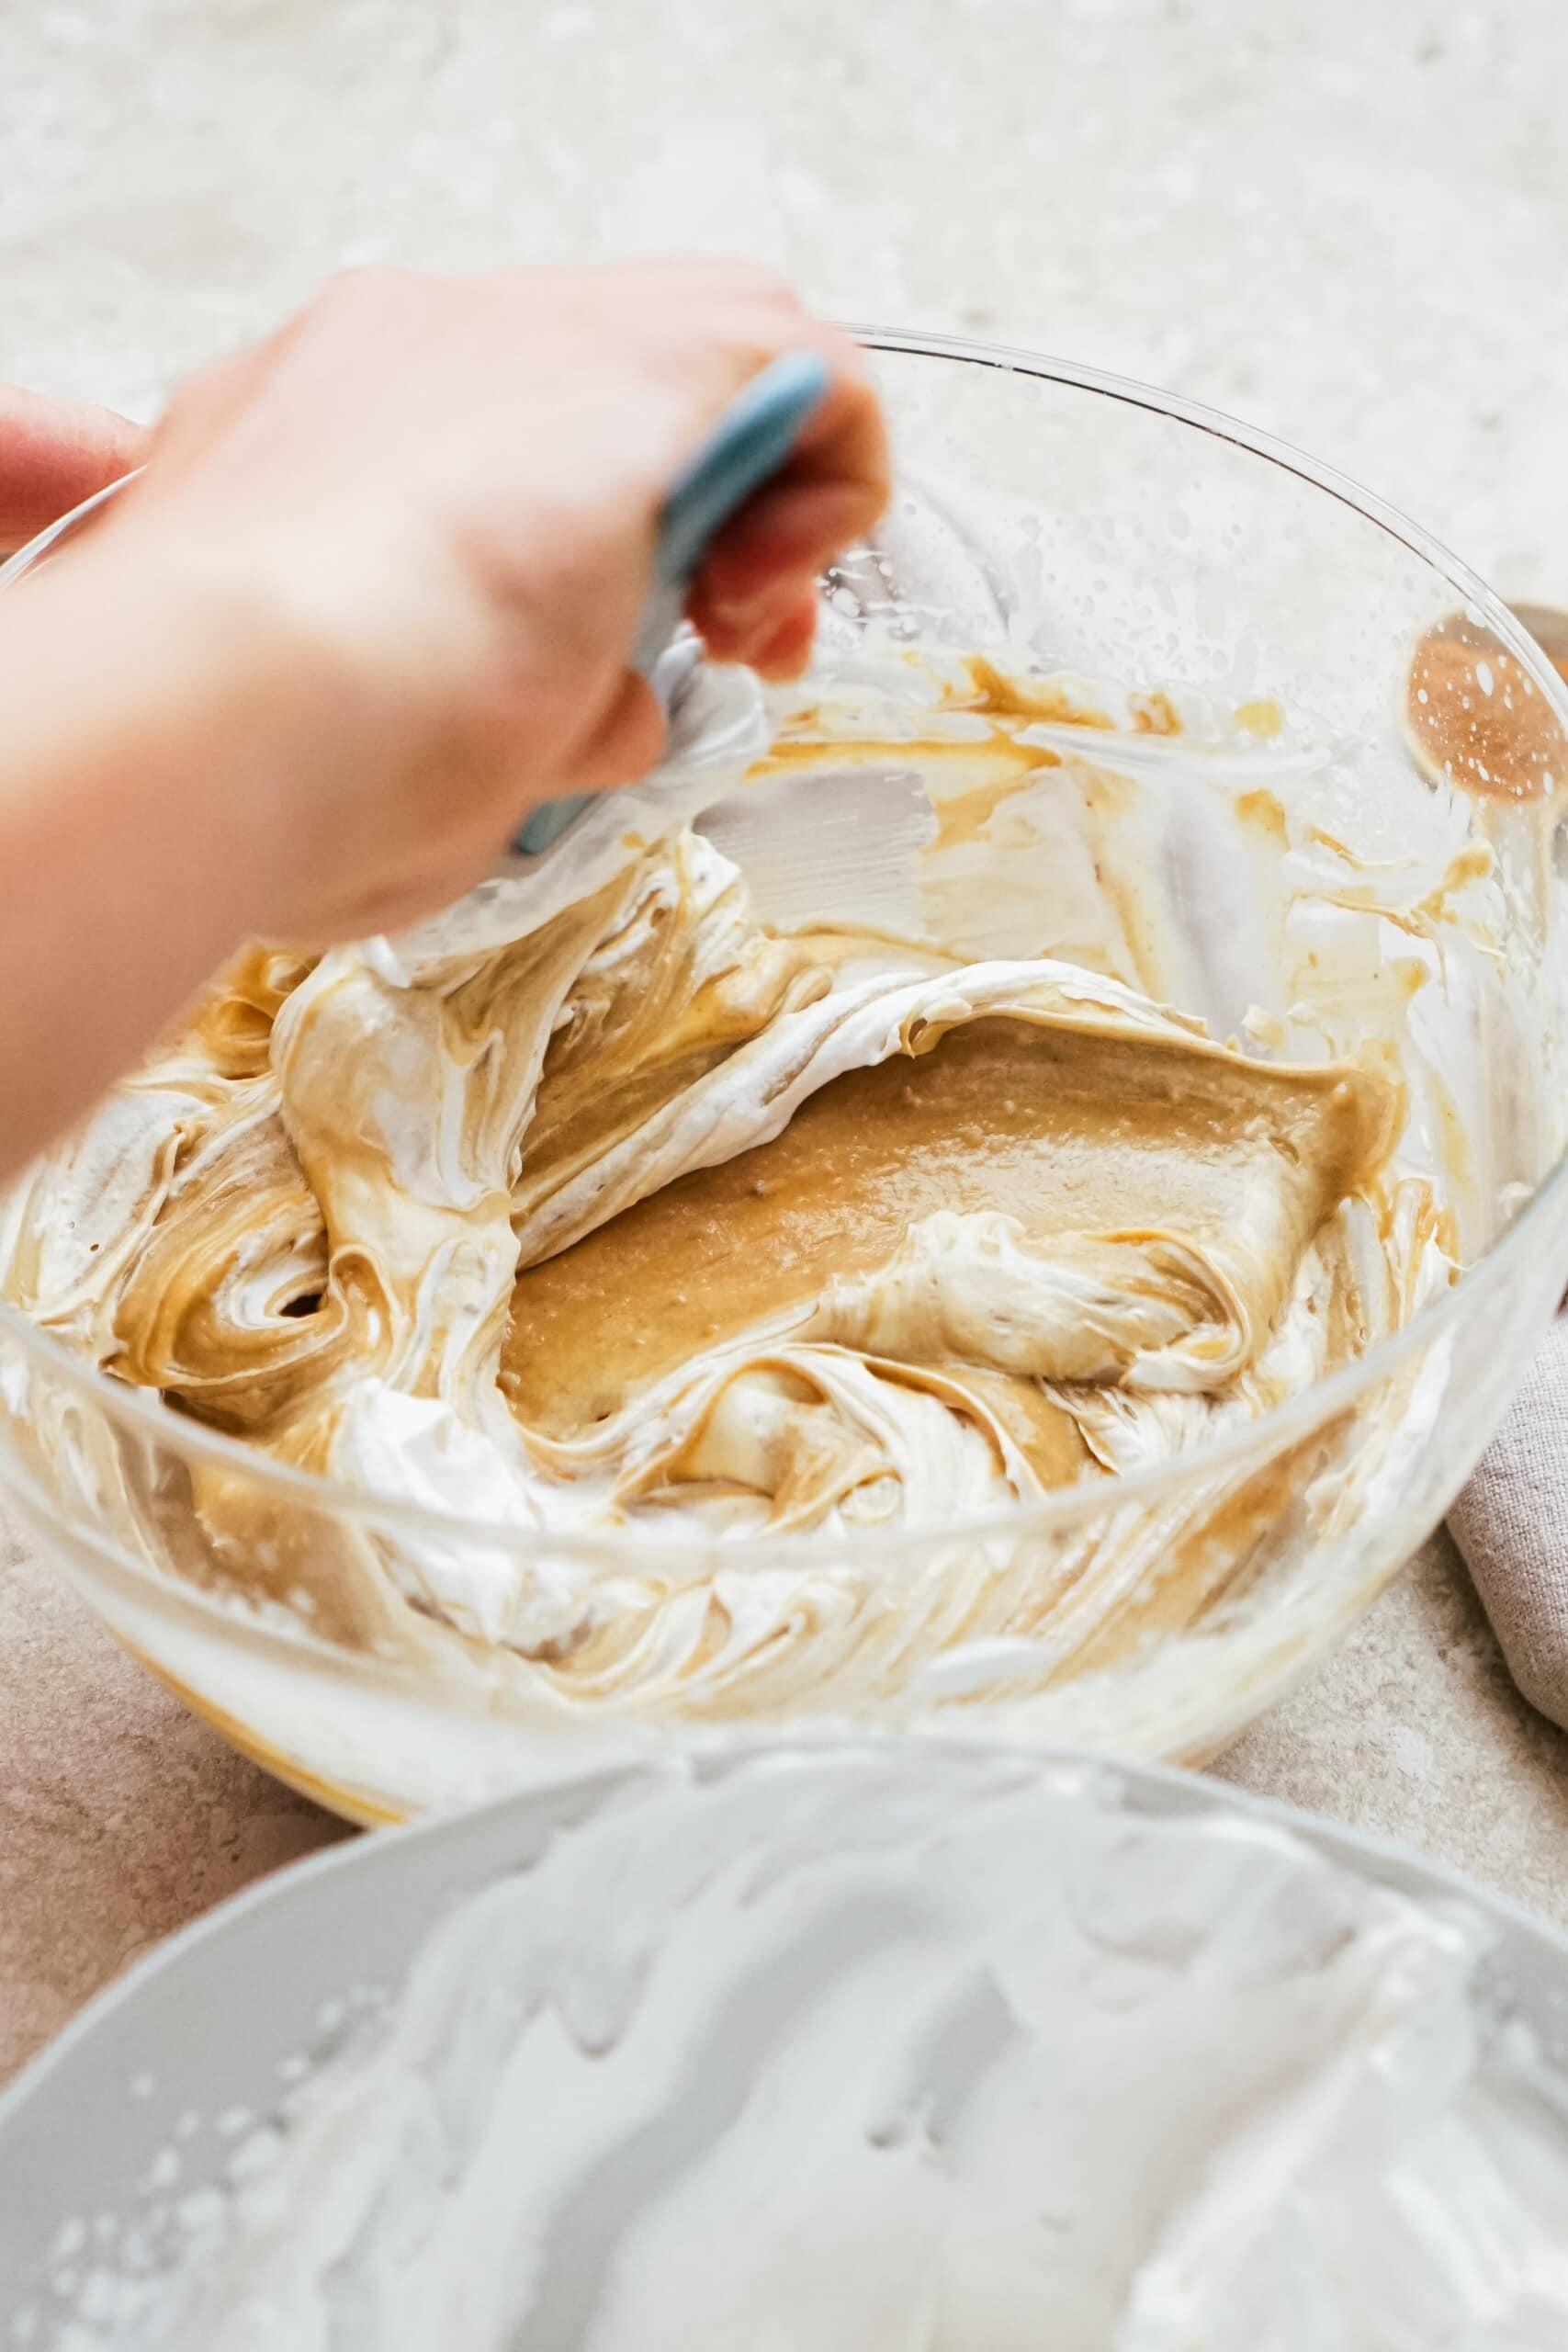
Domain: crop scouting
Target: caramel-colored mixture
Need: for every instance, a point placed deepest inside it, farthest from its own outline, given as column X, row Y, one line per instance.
column 1083, row 1139
column 645, row 1215
column 1475, row 720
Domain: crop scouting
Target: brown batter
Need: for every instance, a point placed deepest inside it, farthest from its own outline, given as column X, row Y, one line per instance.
column 648, row 1216
column 1070, row 1131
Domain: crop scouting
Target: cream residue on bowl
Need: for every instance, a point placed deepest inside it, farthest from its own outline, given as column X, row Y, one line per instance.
column 666, row 1185
column 903, row 2048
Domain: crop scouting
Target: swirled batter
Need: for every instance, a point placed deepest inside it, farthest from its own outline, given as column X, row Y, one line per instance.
column 605, row 1202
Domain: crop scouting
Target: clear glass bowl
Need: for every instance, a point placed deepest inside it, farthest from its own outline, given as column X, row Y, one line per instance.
column 1065, row 521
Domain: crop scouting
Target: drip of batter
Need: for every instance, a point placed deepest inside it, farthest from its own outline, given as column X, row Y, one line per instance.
column 603, row 1202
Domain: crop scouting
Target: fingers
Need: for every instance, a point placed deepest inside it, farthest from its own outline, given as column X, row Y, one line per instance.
column 52, row 454
column 784, row 652
column 836, row 485
column 751, row 586
column 629, row 741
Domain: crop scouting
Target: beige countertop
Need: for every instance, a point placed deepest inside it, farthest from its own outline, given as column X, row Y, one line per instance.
column 122, row 1816
column 1346, row 222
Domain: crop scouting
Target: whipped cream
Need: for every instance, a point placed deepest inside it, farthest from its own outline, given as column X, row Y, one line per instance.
column 816, row 2049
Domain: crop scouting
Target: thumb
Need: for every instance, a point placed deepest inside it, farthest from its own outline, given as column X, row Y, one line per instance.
column 52, row 454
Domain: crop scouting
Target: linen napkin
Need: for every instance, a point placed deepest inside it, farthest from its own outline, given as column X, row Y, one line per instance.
column 1511, row 1524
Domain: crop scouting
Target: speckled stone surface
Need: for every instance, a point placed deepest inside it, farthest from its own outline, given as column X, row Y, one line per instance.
column 1346, row 222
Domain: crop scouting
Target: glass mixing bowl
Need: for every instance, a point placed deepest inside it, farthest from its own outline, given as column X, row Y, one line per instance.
column 1264, row 762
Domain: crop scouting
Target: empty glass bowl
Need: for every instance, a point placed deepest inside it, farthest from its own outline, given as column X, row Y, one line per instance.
column 1323, row 764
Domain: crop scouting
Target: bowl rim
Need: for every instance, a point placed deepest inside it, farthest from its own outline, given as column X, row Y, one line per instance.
column 145, row 1413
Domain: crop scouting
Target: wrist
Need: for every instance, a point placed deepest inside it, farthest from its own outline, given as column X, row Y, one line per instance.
column 150, row 718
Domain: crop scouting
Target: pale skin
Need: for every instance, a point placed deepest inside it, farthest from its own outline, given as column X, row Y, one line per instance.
column 370, row 601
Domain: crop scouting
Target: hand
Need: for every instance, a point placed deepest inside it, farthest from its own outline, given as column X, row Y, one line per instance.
column 372, row 597
column 443, row 493
column 52, row 454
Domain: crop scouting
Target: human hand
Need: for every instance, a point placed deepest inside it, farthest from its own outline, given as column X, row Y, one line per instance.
column 440, row 495
column 371, row 598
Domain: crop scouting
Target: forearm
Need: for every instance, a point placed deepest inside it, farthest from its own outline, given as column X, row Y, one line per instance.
column 151, row 733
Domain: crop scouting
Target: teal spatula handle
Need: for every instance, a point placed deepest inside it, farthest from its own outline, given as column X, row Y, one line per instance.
column 747, row 447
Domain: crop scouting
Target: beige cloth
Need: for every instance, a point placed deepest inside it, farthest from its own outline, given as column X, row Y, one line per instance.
column 1511, row 1523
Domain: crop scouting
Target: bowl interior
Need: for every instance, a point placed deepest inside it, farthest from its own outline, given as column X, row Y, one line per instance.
column 1237, row 824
